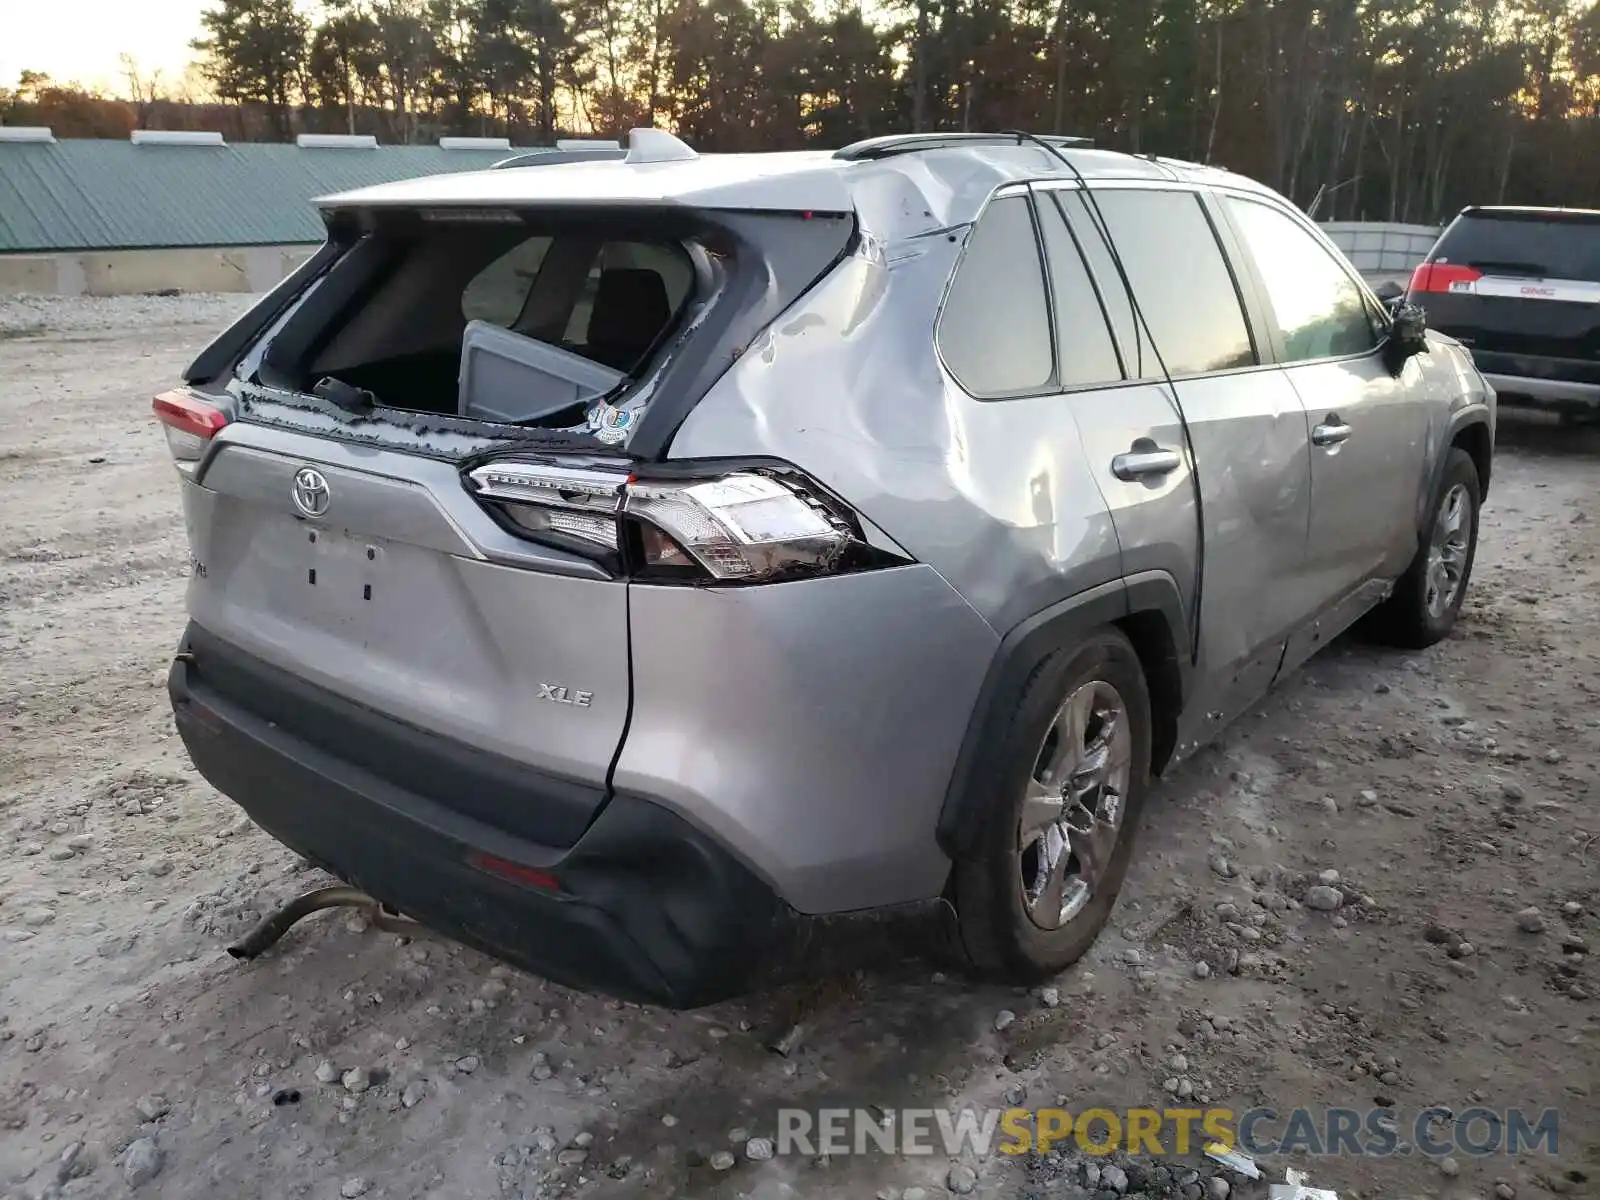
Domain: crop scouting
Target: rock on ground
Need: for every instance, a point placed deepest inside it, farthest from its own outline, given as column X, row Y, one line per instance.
column 142, row 1162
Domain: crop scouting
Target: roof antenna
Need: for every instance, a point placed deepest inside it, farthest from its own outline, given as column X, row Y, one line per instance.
column 656, row 146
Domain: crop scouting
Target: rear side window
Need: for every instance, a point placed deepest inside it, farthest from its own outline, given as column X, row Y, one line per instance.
column 1181, row 280
column 1319, row 310
column 994, row 333
column 1531, row 245
column 1083, row 339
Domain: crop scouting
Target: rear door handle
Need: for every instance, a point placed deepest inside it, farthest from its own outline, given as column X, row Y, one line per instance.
column 1331, row 432
column 1145, row 460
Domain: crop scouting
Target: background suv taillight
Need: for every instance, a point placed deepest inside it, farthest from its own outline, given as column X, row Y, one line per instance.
column 701, row 524
column 1444, row 277
column 189, row 424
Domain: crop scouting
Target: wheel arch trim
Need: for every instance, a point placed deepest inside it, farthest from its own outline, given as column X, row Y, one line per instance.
column 1021, row 650
column 1467, row 417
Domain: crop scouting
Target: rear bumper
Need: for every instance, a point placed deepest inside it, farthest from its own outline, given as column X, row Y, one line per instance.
column 647, row 907
column 1545, row 393
column 1541, row 381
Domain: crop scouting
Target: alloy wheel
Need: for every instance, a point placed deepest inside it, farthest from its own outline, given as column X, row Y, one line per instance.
column 1447, row 551
column 1072, row 811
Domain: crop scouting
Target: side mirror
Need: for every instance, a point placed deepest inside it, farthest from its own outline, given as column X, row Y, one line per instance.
column 1389, row 291
column 1408, row 335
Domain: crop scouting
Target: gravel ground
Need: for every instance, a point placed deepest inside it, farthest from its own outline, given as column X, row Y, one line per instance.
column 1450, row 791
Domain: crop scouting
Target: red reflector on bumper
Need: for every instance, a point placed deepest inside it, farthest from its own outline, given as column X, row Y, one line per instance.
column 517, row 873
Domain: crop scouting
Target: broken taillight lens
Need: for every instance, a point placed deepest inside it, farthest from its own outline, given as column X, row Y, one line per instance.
column 189, row 424
column 752, row 525
column 571, row 507
column 742, row 526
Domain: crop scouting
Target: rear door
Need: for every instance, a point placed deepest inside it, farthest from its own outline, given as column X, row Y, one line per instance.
column 1521, row 288
column 1246, row 427
column 1130, row 424
column 1369, row 427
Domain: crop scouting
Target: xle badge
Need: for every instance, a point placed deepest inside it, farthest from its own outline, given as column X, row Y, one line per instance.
column 562, row 694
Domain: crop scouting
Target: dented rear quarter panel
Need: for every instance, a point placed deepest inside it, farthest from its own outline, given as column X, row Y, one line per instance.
column 997, row 496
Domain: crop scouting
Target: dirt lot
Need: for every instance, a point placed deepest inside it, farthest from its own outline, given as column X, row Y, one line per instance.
column 1450, row 791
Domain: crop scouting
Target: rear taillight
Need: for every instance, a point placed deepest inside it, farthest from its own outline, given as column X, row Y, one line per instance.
column 571, row 507
column 753, row 525
column 1444, row 277
column 189, row 423
column 744, row 526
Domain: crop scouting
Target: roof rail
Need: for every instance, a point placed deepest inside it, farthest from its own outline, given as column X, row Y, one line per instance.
column 550, row 158
column 908, row 143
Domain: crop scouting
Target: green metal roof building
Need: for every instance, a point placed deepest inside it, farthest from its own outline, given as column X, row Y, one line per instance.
column 162, row 191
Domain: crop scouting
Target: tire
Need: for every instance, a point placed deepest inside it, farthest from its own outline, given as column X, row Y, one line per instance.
column 1004, row 932
column 1412, row 617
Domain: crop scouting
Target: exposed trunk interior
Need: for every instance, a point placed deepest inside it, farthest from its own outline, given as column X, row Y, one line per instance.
column 404, row 304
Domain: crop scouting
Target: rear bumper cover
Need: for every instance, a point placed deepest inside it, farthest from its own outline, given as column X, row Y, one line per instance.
column 1552, row 393
column 1557, row 383
column 648, row 908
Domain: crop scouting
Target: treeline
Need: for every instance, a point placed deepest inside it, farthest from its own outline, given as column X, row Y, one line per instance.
column 1365, row 109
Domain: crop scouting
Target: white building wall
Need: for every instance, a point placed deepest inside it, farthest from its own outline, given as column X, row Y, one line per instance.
column 140, row 272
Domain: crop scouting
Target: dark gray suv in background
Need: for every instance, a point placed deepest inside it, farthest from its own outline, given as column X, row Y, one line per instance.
column 640, row 569
column 1520, row 287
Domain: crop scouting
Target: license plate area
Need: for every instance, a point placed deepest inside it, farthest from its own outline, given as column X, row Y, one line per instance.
column 346, row 570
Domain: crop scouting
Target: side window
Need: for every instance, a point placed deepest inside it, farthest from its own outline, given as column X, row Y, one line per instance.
column 994, row 333
column 1083, row 340
column 1181, row 280
column 497, row 293
column 1319, row 309
column 1141, row 361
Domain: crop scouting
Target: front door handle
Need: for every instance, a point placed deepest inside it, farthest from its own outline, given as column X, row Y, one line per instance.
column 1144, row 460
column 1331, row 432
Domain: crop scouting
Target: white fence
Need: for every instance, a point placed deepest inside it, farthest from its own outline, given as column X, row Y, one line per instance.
column 1382, row 247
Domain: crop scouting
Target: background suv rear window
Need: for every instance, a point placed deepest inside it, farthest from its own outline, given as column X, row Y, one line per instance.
column 1531, row 245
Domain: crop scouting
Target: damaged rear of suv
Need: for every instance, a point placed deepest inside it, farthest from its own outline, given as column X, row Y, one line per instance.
column 651, row 570
column 440, row 575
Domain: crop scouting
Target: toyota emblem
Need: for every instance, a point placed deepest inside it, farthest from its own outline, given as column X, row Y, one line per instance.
column 310, row 492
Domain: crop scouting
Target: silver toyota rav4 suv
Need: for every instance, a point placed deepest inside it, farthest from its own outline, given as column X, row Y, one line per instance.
column 647, row 568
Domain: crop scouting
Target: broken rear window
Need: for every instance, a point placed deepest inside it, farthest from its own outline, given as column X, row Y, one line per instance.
column 498, row 320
